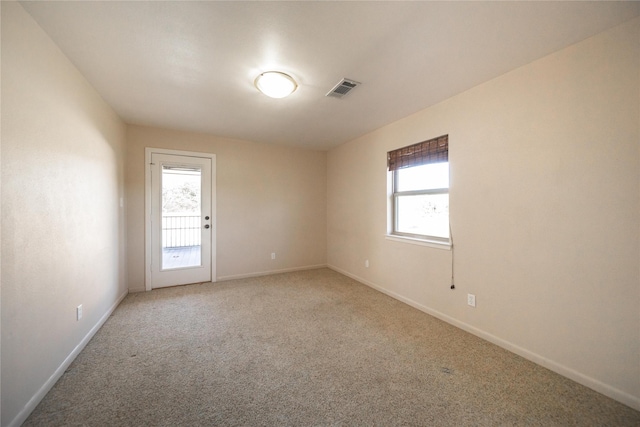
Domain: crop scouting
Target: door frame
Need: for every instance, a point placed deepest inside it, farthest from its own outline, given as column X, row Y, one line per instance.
column 148, row 151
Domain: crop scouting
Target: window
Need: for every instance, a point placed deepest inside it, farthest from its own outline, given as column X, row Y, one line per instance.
column 419, row 201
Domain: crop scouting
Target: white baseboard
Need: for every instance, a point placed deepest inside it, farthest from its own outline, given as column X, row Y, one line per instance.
column 592, row 383
column 42, row 392
column 247, row 275
column 270, row 272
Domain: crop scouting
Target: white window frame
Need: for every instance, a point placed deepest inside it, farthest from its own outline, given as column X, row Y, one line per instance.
column 419, row 239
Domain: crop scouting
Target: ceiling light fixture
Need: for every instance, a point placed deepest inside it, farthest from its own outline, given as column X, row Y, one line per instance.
column 275, row 84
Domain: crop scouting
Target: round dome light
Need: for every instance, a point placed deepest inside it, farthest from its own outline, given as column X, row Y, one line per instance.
column 275, row 84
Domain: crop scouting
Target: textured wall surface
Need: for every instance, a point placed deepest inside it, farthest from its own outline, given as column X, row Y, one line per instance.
column 544, row 165
column 62, row 220
column 269, row 199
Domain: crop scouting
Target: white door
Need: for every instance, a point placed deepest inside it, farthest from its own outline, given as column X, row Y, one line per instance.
column 180, row 220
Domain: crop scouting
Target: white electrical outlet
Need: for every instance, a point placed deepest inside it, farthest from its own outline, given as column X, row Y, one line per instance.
column 471, row 300
column 79, row 312
column 273, row 255
column 366, row 263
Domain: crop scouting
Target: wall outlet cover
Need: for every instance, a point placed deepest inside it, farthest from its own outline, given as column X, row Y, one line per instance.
column 471, row 300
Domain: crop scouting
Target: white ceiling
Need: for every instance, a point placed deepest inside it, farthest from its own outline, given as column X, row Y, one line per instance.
column 191, row 65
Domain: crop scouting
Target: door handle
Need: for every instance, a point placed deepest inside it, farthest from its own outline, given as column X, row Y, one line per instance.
column 207, row 218
column 206, row 226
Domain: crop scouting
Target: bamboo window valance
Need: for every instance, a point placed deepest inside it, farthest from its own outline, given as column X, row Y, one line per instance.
column 434, row 150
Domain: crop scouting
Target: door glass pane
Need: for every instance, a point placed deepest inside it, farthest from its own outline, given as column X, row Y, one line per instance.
column 424, row 214
column 181, row 213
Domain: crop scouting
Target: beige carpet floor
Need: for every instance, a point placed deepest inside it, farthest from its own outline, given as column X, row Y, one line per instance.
column 311, row 348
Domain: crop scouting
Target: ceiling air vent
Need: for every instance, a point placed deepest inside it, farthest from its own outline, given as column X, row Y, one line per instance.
column 341, row 89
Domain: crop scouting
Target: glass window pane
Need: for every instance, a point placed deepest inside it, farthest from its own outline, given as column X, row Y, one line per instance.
column 425, row 214
column 425, row 177
column 181, row 212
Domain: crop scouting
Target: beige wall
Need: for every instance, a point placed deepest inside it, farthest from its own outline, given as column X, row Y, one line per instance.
column 62, row 225
column 544, row 210
column 269, row 199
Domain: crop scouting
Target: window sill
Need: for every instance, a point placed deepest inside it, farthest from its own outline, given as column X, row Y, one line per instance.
column 421, row 242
